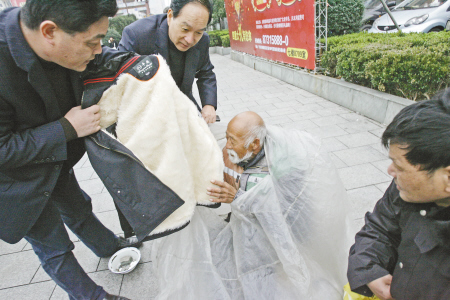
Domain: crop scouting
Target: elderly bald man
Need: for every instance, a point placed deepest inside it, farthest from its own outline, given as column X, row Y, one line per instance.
column 244, row 157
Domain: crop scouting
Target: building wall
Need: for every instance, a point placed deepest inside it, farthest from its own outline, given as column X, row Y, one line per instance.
column 137, row 7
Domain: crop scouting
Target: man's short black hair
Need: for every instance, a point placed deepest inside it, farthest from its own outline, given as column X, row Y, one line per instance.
column 424, row 129
column 70, row 15
column 177, row 5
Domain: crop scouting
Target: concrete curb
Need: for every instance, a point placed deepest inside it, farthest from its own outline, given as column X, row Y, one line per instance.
column 376, row 105
column 220, row 50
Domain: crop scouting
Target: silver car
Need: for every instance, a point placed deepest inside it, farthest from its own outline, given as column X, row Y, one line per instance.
column 415, row 16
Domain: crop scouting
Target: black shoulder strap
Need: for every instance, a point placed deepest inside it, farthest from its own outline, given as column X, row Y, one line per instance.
column 97, row 81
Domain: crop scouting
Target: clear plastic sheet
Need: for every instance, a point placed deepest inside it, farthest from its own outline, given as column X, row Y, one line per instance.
column 288, row 237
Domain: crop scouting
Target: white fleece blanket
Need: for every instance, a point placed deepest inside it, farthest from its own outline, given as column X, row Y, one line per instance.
column 161, row 126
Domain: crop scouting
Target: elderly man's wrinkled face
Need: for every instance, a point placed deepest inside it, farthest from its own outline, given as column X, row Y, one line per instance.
column 237, row 152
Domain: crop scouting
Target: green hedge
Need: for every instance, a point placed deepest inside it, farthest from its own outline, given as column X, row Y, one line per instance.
column 225, row 40
column 414, row 65
column 216, row 38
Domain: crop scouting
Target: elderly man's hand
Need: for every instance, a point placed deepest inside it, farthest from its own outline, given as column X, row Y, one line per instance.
column 223, row 193
column 209, row 114
column 381, row 287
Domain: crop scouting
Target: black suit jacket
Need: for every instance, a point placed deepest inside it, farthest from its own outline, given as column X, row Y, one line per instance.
column 151, row 36
column 33, row 146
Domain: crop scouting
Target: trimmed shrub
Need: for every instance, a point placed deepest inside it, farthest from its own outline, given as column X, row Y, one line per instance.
column 116, row 26
column 225, row 40
column 215, row 37
column 414, row 66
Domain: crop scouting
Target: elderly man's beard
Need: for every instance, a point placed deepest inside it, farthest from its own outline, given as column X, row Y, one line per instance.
column 234, row 157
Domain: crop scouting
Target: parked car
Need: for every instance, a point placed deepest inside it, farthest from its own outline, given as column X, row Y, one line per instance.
column 373, row 9
column 415, row 16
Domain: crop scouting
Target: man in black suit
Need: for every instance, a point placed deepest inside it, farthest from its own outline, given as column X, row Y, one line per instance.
column 180, row 37
column 43, row 47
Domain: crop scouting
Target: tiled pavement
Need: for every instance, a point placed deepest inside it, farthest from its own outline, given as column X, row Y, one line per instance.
column 353, row 142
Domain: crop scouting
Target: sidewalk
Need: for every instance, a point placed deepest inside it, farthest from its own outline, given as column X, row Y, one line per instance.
column 353, row 142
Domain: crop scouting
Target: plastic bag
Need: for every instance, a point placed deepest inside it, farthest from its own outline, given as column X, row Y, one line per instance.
column 288, row 237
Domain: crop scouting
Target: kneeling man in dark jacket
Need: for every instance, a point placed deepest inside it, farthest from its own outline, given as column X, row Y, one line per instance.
column 403, row 251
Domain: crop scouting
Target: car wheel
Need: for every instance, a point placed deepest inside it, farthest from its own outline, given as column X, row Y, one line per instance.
column 436, row 29
column 365, row 27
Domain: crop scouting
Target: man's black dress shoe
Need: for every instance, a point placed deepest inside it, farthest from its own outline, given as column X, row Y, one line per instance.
column 128, row 242
column 114, row 297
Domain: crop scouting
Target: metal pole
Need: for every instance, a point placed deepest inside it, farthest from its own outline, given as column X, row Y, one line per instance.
column 147, row 7
column 390, row 15
column 125, row 1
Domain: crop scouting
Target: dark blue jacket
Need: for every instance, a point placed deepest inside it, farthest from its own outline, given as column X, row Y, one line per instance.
column 33, row 146
column 151, row 36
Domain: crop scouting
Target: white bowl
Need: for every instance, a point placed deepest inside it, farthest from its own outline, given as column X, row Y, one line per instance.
column 124, row 261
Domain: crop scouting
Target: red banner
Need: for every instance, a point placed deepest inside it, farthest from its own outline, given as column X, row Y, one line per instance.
column 280, row 30
column 19, row 3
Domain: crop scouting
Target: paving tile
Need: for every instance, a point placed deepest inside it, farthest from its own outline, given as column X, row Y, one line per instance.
column 358, row 126
column 87, row 164
column 244, row 104
column 92, row 186
column 336, row 161
column 18, row 268
column 329, row 120
column 331, row 111
column 305, row 93
column 83, row 173
column 110, row 220
column 353, row 116
column 86, row 258
column 301, row 125
column 378, row 132
column 383, row 186
column 225, row 108
column 359, row 155
column 37, row 291
column 363, row 199
column 110, row 282
column 280, row 111
column 6, row 248
column 277, row 120
column 330, row 105
column 284, row 104
column 303, row 115
column 362, row 175
column 234, row 112
column 102, row 202
column 142, row 277
column 310, row 100
column 327, row 131
column 261, row 108
column 333, row 144
column 382, row 165
column 380, row 148
column 358, row 139
column 40, row 276
column 307, row 107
